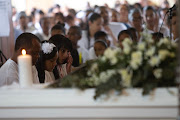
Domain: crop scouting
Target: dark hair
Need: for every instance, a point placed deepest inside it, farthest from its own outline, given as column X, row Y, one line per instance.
column 157, row 36
column 99, row 34
column 61, row 41
column 78, row 29
column 91, row 17
column 25, row 41
column 59, row 26
column 59, row 14
column 149, row 8
column 125, row 32
column 40, row 65
column 133, row 32
column 39, row 12
column 68, row 18
column 102, row 42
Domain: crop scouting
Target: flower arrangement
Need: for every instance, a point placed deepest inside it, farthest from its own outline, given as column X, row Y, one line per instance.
column 147, row 64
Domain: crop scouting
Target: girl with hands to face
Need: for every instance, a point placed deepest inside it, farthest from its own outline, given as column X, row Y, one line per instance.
column 64, row 62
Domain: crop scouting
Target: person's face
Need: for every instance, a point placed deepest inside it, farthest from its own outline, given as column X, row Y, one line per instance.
column 104, row 15
column 137, row 21
column 34, row 51
column 150, row 17
column 99, row 49
column 45, row 25
column 174, row 27
column 96, row 25
column 121, row 38
column 59, row 19
column 63, row 55
column 114, row 16
column 123, row 10
column 56, row 32
column 23, row 21
column 73, row 36
column 51, row 63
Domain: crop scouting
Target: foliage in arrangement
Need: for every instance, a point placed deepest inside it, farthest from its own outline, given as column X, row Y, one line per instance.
column 147, row 64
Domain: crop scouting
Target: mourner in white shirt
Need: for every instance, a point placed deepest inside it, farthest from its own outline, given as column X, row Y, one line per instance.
column 9, row 71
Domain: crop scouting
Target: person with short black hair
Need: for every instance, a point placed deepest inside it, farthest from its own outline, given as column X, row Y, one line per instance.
column 122, row 35
column 79, row 52
column 9, row 71
column 64, row 62
column 58, row 29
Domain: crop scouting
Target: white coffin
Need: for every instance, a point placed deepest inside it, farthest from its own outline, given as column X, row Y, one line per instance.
column 73, row 104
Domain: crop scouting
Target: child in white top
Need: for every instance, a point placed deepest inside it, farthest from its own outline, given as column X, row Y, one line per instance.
column 47, row 62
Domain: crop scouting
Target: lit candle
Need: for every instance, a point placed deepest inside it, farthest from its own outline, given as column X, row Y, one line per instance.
column 25, row 69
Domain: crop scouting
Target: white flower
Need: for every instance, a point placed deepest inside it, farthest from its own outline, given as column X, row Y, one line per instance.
column 103, row 59
column 150, row 52
column 114, row 60
column 163, row 54
column 94, row 67
column 174, row 44
column 157, row 73
column 154, row 61
column 164, row 41
column 141, row 46
column 126, row 77
column 126, row 49
column 47, row 48
column 134, row 65
column 127, row 41
column 109, row 53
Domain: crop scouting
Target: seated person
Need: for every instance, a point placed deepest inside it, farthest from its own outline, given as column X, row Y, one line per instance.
column 99, row 47
column 74, row 34
column 58, row 29
column 65, row 60
column 9, row 71
column 45, row 25
column 102, row 36
column 122, row 35
column 47, row 62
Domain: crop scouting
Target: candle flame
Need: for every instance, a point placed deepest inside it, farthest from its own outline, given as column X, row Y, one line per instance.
column 23, row 52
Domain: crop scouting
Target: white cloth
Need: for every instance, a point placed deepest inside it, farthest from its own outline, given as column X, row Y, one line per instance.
column 62, row 70
column 116, row 28
column 48, row 77
column 164, row 30
column 83, row 42
column 9, row 73
column 28, row 29
column 85, row 54
column 92, row 54
column 35, row 75
column 41, row 35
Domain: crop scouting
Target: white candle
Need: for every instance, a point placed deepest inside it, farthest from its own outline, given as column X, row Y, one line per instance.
column 25, row 69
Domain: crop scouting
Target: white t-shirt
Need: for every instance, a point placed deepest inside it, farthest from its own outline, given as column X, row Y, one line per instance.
column 92, row 54
column 48, row 77
column 83, row 42
column 35, row 75
column 85, row 54
column 116, row 28
column 9, row 73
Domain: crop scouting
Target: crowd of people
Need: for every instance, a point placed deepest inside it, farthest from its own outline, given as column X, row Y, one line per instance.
column 60, row 42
